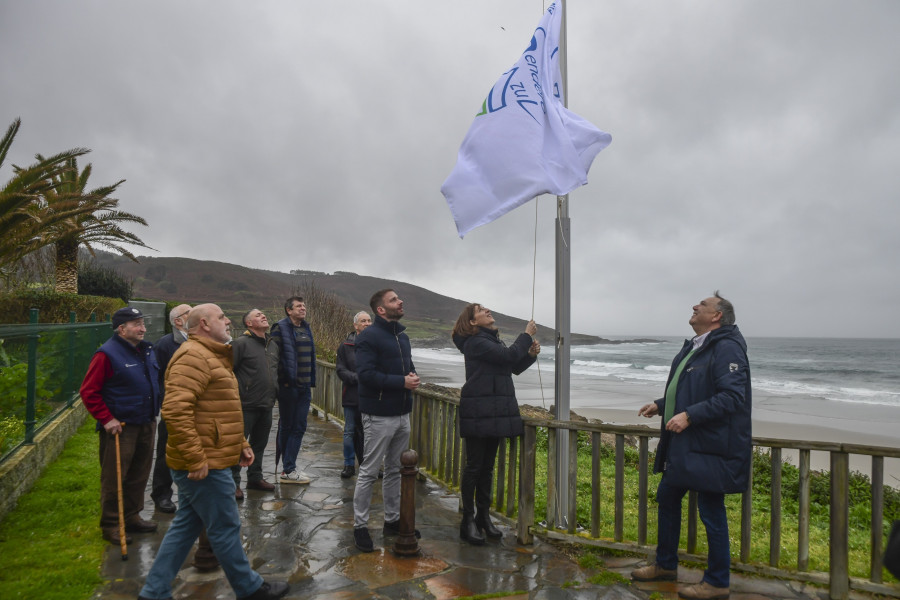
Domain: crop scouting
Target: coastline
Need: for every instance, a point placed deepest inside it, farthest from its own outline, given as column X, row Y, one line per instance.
column 781, row 417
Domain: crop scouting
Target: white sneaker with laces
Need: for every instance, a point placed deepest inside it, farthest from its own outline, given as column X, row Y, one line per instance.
column 294, row 477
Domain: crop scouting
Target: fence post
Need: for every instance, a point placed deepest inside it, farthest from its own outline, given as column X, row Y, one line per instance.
column 526, row 487
column 70, row 389
column 839, row 580
column 31, row 382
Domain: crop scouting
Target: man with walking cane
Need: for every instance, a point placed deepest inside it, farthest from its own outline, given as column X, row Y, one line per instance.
column 121, row 391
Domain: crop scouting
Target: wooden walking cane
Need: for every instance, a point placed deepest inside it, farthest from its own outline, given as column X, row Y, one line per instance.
column 122, row 539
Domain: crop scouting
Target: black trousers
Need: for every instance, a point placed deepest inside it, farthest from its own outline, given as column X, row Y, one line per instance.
column 478, row 476
column 161, row 488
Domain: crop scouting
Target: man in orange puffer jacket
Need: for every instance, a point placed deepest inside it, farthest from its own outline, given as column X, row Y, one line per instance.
column 202, row 410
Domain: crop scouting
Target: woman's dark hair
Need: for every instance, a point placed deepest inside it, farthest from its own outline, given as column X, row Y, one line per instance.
column 464, row 325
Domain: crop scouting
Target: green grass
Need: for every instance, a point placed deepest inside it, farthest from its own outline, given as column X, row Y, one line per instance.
column 860, row 508
column 50, row 545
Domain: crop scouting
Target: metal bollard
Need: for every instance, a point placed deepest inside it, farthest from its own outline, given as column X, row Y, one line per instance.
column 406, row 543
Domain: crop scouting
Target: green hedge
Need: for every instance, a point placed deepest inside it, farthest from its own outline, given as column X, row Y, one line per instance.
column 54, row 307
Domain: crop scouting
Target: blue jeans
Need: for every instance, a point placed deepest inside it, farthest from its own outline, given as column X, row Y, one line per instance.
column 353, row 436
column 712, row 513
column 293, row 408
column 208, row 502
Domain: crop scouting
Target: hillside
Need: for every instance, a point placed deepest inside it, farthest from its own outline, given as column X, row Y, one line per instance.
column 429, row 316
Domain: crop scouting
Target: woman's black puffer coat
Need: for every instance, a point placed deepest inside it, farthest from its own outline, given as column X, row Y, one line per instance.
column 487, row 404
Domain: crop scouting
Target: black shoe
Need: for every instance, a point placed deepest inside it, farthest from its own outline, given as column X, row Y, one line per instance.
column 363, row 540
column 269, row 591
column 238, row 494
column 393, row 528
column 380, row 473
column 468, row 531
column 348, row 472
column 483, row 521
column 139, row 525
column 165, row 505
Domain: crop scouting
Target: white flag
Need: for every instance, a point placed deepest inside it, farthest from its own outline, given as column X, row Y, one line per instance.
column 524, row 142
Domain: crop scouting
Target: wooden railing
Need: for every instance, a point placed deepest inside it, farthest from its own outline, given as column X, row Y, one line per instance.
column 435, row 437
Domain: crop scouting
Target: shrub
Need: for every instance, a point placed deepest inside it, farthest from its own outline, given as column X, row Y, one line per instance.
column 54, row 307
column 97, row 280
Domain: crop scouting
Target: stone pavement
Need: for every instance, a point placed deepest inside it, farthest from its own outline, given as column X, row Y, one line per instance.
column 303, row 534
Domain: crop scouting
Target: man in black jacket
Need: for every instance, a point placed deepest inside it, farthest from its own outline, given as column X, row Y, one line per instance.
column 164, row 349
column 346, row 371
column 387, row 378
column 256, row 370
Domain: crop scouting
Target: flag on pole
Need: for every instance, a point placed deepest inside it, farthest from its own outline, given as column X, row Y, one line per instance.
column 524, row 142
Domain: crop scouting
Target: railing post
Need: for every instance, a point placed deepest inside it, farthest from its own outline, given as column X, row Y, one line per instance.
column 775, row 510
column 747, row 517
column 595, row 483
column 31, row 381
column 877, row 517
column 511, row 475
column 552, row 463
column 692, row 523
column 525, row 518
column 643, row 485
column 572, row 508
column 619, row 517
column 803, row 513
column 839, row 581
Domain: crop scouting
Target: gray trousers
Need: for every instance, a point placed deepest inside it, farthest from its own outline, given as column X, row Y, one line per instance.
column 385, row 439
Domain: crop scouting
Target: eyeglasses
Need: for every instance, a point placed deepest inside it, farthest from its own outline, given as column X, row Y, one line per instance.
column 182, row 314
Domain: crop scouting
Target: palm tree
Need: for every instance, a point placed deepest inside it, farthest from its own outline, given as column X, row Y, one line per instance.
column 95, row 222
column 23, row 227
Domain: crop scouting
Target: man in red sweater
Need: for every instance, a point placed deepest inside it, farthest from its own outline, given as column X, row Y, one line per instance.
column 121, row 391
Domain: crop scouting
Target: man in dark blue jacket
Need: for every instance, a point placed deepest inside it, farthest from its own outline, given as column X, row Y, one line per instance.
column 387, row 378
column 345, row 365
column 164, row 349
column 294, row 350
column 705, row 444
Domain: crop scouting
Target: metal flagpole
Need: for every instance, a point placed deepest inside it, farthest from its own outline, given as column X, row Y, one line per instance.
column 563, row 311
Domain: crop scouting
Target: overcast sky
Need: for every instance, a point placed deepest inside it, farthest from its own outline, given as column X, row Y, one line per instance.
column 756, row 146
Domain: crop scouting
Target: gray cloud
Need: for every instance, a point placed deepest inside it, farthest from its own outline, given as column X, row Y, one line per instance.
column 754, row 146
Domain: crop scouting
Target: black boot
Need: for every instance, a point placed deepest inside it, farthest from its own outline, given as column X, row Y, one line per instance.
column 468, row 530
column 483, row 521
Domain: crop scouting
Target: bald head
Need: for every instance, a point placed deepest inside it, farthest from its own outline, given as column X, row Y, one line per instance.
column 209, row 321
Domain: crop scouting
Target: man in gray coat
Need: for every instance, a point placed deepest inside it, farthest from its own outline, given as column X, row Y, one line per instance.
column 255, row 369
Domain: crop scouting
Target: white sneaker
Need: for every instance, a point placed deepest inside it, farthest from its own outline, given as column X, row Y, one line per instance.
column 294, row 477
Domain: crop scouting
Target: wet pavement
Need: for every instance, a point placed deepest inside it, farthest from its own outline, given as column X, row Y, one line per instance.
column 303, row 534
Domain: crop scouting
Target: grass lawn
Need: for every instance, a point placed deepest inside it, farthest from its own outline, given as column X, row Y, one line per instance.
column 50, row 544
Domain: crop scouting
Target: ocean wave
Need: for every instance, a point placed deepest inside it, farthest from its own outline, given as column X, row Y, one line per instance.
column 834, row 393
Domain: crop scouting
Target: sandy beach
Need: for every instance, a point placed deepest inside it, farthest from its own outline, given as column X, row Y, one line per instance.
column 781, row 417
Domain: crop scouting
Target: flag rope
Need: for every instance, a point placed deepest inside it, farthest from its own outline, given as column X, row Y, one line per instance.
column 533, row 285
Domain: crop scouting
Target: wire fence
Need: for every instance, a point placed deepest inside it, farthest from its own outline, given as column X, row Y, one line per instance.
column 41, row 368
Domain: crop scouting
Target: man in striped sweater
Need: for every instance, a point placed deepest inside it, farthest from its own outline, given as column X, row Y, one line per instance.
column 295, row 352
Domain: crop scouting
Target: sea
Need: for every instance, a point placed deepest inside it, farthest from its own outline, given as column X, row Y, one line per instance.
column 835, row 370
column 804, row 389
